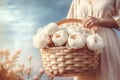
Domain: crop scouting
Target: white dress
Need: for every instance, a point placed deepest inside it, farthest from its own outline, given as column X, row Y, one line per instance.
column 110, row 58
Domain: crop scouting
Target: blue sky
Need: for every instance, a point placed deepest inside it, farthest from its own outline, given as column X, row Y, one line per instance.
column 19, row 21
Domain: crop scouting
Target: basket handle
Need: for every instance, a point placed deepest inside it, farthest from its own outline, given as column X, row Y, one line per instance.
column 72, row 20
column 68, row 21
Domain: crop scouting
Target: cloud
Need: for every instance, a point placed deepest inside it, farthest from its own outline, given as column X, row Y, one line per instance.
column 23, row 26
column 2, row 3
column 41, row 11
column 21, row 19
column 6, row 16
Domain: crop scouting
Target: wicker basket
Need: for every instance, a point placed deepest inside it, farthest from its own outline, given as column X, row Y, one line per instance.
column 61, row 61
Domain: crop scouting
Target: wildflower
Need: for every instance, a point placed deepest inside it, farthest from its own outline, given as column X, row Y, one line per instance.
column 27, row 71
column 29, row 57
column 95, row 43
column 15, row 56
column 6, row 52
column 8, row 66
column 41, row 72
column 18, row 51
column 60, row 37
column 76, row 40
column 0, row 67
column 30, row 68
column 11, row 61
column 19, row 70
column 21, row 78
column 22, row 65
column 35, row 77
column 2, row 53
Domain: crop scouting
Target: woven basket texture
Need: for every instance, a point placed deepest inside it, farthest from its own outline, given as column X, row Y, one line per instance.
column 61, row 61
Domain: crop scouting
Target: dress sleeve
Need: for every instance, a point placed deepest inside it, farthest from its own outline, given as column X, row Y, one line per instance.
column 117, row 12
column 73, row 8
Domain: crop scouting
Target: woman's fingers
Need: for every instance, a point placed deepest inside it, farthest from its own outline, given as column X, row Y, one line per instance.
column 86, row 20
column 89, row 21
column 89, row 24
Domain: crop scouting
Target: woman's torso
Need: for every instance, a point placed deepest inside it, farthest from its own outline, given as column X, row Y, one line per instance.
column 99, row 8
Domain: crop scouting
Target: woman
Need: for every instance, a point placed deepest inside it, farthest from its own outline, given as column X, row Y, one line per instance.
column 104, row 14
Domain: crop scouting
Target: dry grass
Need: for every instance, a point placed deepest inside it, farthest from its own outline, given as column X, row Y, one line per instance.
column 11, row 76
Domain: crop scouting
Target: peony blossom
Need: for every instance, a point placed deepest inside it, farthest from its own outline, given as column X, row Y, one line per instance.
column 40, row 30
column 86, row 32
column 95, row 43
column 74, row 29
column 51, row 28
column 40, row 40
column 62, row 27
column 60, row 37
column 76, row 40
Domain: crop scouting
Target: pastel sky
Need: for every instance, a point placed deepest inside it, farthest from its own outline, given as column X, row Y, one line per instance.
column 19, row 21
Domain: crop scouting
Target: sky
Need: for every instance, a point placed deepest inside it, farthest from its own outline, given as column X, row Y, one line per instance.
column 19, row 21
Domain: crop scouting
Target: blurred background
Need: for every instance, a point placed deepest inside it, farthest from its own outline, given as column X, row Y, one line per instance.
column 19, row 21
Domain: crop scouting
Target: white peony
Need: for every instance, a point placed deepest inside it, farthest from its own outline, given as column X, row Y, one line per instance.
column 76, row 40
column 86, row 32
column 62, row 27
column 95, row 42
column 50, row 29
column 74, row 29
column 60, row 37
column 40, row 40
column 40, row 30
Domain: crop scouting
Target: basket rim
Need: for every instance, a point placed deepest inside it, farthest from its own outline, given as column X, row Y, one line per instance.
column 68, row 21
column 65, row 48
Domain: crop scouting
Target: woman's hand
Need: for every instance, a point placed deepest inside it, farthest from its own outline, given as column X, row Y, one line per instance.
column 90, row 21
